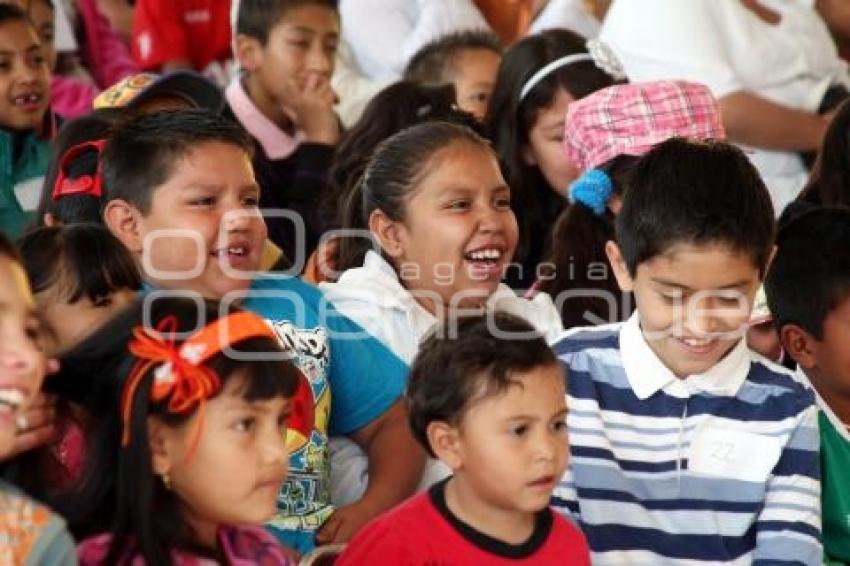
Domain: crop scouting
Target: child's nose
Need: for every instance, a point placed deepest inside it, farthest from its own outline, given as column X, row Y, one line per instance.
column 18, row 356
column 320, row 62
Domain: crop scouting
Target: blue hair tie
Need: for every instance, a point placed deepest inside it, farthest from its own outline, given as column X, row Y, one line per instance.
column 592, row 189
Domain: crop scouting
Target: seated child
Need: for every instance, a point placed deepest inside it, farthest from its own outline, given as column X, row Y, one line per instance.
column 808, row 290
column 606, row 133
column 487, row 397
column 286, row 50
column 435, row 201
column 190, row 454
column 29, row 532
column 469, row 60
column 182, row 197
column 25, row 122
column 686, row 446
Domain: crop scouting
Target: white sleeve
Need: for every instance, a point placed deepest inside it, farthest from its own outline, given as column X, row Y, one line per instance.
column 438, row 18
column 566, row 14
column 673, row 39
column 353, row 88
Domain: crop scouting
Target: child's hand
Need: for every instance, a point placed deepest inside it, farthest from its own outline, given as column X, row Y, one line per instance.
column 312, row 106
column 36, row 425
column 345, row 522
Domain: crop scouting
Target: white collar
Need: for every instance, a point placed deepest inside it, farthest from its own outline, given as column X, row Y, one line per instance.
column 836, row 423
column 647, row 374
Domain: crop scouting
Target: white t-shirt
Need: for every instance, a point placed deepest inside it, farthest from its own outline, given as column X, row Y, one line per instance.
column 384, row 34
column 566, row 14
column 726, row 46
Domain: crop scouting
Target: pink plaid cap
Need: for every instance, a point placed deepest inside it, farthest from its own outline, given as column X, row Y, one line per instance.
column 631, row 118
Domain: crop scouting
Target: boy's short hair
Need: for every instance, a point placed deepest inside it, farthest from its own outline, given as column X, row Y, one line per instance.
column 432, row 64
column 257, row 18
column 451, row 372
column 695, row 192
column 810, row 275
column 140, row 155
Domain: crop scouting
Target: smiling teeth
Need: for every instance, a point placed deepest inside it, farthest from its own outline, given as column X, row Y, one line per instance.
column 12, row 397
column 485, row 254
column 695, row 342
column 27, row 99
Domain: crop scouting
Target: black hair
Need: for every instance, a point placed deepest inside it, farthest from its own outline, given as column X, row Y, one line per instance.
column 470, row 361
column 810, row 274
column 434, row 63
column 393, row 109
column 509, row 121
column 140, row 155
column 13, row 13
column 577, row 249
column 70, row 209
column 395, row 168
column 257, row 18
column 118, row 491
column 695, row 192
column 85, row 259
column 829, row 183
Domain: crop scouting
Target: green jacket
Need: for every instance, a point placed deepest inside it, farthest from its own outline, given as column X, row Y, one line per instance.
column 21, row 179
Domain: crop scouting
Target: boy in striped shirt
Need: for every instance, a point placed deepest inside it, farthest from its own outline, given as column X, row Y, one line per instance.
column 687, row 448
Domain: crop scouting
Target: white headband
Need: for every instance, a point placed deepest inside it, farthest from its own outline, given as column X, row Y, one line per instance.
column 551, row 67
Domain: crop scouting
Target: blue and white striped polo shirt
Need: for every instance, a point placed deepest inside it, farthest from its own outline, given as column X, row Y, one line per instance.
column 720, row 467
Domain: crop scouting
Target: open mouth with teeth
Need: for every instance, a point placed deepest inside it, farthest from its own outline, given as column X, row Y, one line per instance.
column 489, row 256
column 11, row 400
column 231, row 251
column 30, row 99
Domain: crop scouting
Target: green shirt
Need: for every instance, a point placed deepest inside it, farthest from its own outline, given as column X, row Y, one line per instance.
column 835, row 485
column 21, row 178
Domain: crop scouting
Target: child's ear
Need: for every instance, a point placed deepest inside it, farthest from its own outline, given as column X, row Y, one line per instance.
column 801, row 345
column 122, row 219
column 249, row 52
column 388, row 232
column 445, row 442
column 618, row 265
column 162, row 447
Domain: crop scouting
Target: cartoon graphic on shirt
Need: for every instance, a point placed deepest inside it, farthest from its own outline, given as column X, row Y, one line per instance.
column 304, row 499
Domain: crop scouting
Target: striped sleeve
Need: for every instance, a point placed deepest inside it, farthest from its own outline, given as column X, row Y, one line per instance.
column 788, row 530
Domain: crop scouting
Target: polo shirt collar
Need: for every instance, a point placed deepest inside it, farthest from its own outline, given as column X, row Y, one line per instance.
column 802, row 377
column 276, row 143
column 647, row 374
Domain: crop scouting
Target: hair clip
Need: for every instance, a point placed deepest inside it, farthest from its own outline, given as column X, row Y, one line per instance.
column 87, row 184
column 180, row 376
column 605, row 59
column 593, row 189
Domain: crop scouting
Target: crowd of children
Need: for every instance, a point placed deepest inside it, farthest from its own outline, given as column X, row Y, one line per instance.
column 526, row 309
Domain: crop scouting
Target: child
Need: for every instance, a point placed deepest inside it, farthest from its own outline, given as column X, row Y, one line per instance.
column 29, row 532
column 539, row 77
column 808, row 287
column 286, row 49
column 489, row 402
column 81, row 276
column 435, row 201
column 189, row 458
column 467, row 59
column 605, row 133
column 25, row 123
column 183, row 199
column 685, row 446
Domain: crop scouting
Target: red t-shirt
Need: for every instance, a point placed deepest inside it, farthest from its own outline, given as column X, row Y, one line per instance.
column 423, row 532
column 195, row 30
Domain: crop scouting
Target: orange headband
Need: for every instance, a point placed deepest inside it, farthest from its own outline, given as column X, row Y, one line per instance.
column 181, row 374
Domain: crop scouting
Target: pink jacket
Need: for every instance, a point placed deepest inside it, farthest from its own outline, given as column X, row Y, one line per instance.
column 106, row 57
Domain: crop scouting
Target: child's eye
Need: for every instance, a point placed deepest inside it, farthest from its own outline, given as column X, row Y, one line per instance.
column 251, row 201
column 671, row 298
column 202, row 201
column 481, row 97
column 560, row 426
column 458, row 205
column 300, row 44
column 245, row 425
column 503, row 202
column 519, row 430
